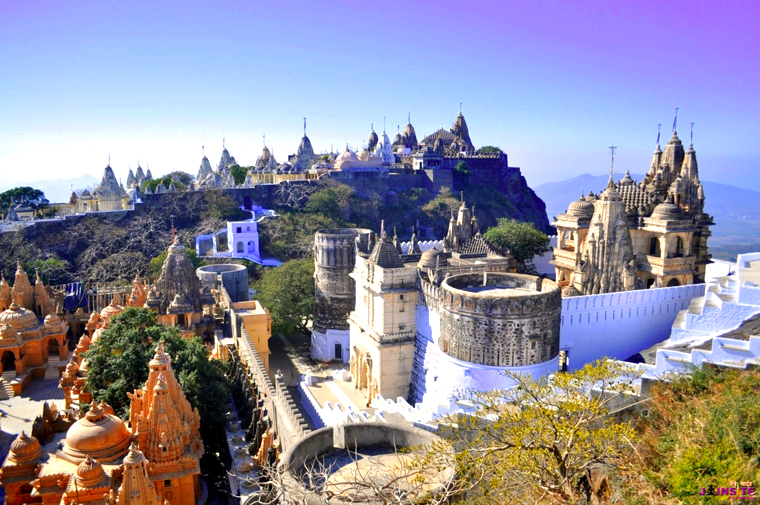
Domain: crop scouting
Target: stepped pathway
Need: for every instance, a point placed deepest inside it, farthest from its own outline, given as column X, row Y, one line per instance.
column 52, row 372
column 6, row 391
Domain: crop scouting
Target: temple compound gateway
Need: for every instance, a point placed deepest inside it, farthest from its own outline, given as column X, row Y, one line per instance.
column 426, row 324
column 637, row 235
column 153, row 459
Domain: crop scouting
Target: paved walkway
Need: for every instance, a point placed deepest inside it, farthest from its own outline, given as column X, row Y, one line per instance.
column 18, row 413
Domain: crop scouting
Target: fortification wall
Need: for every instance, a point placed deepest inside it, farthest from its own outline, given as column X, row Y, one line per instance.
column 619, row 325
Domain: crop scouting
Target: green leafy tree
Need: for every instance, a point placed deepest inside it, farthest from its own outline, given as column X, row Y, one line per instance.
column 488, row 150
column 239, row 173
column 333, row 202
column 533, row 443
column 522, row 239
column 440, row 208
column 118, row 364
column 288, row 293
column 34, row 198
column 462, row 173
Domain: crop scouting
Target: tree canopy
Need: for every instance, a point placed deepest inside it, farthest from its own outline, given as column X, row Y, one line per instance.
column 239, row 173
column 118, row 364
column 488, row 150
column 34, row 198
column 533, row 443
column 288, row 293
column 522, row 239
column 181, row 181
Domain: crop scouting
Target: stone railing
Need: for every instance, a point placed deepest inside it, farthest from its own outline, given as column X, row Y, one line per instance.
column 666, row 266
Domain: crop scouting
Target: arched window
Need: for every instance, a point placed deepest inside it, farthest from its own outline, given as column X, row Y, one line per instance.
column 679, row 247
column 239, row 247
column 673, row 282
column 650, row 283
column 654, row 246
column 251, row 246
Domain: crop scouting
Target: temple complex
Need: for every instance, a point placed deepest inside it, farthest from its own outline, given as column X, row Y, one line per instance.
column 33, row 339
column 153, row 458
column 423, row 322
column 637, row 235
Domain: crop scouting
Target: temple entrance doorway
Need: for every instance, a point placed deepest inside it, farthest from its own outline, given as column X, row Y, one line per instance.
column 9, row 361
column 53, row 347
column 338, row 351
column 673, row 283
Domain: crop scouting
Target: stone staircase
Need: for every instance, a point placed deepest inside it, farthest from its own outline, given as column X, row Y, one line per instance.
column 52, row 372
column 6, row 391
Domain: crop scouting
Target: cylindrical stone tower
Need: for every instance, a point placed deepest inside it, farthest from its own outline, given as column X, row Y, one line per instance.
column 499, row 319
column 334, row 256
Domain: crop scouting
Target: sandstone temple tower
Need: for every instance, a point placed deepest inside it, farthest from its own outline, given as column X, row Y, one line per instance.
column 653, row 233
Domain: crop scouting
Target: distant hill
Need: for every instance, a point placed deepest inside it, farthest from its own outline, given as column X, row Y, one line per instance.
column 736, row 210
column 59, row 190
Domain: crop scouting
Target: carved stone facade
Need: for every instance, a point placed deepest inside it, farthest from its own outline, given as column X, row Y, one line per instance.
column 637, row 235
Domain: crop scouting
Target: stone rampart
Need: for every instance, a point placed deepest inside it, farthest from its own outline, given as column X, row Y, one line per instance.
column 619, row 325
column 501, row 320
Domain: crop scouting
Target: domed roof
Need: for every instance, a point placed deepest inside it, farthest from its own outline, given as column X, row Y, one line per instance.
column 581, row 208
column 89, row 473
column 667, row 210
column 52, row 320
column 7, row 332
column 25, row 449
column 72, row 367
column 19, row 317
column 113, row 309
column 432, row 256
column 100, row 435
column 346, row 156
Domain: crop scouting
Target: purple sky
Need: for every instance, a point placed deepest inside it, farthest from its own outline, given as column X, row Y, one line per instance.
column 552, row 83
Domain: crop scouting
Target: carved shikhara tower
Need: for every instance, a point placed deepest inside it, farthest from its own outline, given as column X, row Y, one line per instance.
column 637, row 235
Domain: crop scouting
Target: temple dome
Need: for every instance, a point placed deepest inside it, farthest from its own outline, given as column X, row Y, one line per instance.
column 72, row 367
column 89, row 473
column 52, row 320
column 25, row 449
column 346, row 156
column 581, row 208
column 7, row 332
column 432, row 256
column 99, row 435
column 113, row 309
column 18, row 317
column 667, row 210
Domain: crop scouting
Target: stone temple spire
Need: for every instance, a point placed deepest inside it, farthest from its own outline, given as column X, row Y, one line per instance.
column 136, row 487
column 607, row 265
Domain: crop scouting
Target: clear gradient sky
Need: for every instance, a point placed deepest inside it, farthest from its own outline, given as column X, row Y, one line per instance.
column 554, row 83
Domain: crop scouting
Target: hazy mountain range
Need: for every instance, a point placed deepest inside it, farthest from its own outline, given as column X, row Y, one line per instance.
column 736, row 211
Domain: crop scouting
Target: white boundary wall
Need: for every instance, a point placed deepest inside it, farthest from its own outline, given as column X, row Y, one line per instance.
column 618, row 325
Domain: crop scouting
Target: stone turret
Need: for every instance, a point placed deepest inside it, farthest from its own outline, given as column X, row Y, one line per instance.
column 462, row 133
column 109, row 186
column 384, row 150
column 334, row 259
column 23, row 294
